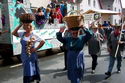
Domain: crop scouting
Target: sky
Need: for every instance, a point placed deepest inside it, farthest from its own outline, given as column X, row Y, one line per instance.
column 123, row 3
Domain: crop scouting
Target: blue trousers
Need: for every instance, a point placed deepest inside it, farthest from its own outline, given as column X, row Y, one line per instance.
column 112, row 62
column 75, row 80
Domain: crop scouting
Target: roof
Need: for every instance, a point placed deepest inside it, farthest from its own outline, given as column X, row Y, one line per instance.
column 101, row 11
column 39, row 3
column 104, row 3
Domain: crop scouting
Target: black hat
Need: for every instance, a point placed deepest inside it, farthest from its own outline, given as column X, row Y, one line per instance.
column 75, row 28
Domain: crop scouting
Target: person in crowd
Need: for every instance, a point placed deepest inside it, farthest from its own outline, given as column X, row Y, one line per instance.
column 63, row 8
column 105, row 23
column 94, row 46
column 123, row 46
column 75, row 56
column 47, row 13
column 58, row 14
column 113, row 42
column 54, row 3
column 108, row 28
column 101, row 30
column 52, row 16
column 3, row 20
column 40, row 18
column 28, row 55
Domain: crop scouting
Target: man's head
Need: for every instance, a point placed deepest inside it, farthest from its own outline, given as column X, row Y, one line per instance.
column 94, row 28
column 27, row 27
column 74, row 31
column 117, row 30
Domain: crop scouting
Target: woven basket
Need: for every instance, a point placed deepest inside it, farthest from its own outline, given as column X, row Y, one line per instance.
column 74, row 20
column 27, row 18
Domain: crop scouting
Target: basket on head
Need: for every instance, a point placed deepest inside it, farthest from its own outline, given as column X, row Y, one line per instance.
column 74, row 20
column 27, row 18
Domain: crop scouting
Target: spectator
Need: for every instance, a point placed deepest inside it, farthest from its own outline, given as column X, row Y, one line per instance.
column 58, row 14
column 52, row 16
column 40, row 18
column 62, row 8
column 47, row 13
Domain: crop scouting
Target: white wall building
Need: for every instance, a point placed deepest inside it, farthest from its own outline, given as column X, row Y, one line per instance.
column 114, row 5
column 86, row 5
column 39, row 3
column 117, row 6
column 90, row 4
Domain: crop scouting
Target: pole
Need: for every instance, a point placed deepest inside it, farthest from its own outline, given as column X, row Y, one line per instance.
column 123, row 23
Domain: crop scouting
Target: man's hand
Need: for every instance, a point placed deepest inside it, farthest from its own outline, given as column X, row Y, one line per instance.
column 62, row 29
column 121, row 42
column 109, row 50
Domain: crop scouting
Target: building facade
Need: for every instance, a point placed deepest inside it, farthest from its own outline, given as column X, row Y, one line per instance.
column 86, row 5
column 89, row 4
column 117, row 6
column 123, row 11
column 113, row 5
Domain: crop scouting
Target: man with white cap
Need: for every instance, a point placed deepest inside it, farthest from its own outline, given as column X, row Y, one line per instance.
column 94, row 46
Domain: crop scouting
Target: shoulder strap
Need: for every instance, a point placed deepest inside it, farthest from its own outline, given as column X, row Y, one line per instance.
column 23, row 35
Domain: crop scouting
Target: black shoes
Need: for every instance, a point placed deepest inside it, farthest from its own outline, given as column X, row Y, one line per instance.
column 108, row 73
column 65, row 69
column 119, row 70
column 93, row 71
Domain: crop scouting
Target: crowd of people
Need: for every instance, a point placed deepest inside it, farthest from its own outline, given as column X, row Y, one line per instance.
column 98, row 34
column 73, row 40
column 54, row 13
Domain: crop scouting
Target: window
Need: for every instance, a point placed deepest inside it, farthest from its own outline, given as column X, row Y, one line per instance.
column 119, row 10
column 120, row 21
column 94, row 3
column 115, row 9
column 115, row 22
column 89, row 2
column 109, row 7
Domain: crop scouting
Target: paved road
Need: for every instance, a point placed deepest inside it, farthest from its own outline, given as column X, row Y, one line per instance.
column 51, row 71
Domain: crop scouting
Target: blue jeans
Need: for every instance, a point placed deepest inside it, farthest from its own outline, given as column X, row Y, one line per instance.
column 75, row 81
column 112, row 62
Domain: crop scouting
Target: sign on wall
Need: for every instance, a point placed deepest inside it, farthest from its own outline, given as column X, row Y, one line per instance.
column 88, row 17
column 97, row 16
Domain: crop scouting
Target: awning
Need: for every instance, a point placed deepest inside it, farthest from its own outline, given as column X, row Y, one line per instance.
column 107, row 12
column 39, row 3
